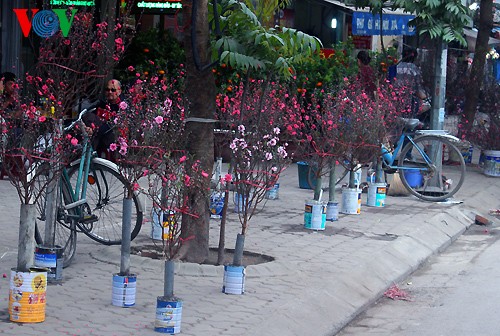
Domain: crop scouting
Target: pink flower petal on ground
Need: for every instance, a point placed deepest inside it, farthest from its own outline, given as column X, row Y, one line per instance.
column 395, row 293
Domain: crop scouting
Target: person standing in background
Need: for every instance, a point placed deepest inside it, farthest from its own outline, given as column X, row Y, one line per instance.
column 100, row 121
column 366, row 75
column 410, row 76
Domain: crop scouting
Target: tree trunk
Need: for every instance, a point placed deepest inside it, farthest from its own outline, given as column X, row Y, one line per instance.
column 200, row 90
column 26, row 250
column 476, row 77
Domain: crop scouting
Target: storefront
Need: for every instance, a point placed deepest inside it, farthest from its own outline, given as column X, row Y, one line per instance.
column 333, row 21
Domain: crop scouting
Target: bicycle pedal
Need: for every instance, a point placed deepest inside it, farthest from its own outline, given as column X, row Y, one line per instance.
column 88, row 219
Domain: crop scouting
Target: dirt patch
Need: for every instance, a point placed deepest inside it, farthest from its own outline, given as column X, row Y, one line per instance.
column 153, row 251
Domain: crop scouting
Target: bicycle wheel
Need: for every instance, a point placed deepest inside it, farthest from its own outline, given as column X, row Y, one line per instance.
column 64, row 229
column 436, row 181
column 105, row 193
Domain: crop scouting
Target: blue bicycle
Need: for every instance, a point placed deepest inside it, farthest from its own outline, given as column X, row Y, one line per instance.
column 431, row 167
column 88, row 199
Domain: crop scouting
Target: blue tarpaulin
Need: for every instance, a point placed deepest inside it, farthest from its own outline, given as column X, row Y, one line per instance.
column 364, row 23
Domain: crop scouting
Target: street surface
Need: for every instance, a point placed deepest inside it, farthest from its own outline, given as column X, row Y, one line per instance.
column 318, row 282
column 454, row 294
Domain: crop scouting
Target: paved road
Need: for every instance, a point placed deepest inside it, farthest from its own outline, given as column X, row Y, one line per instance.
column 451, row 295
column 318, row 282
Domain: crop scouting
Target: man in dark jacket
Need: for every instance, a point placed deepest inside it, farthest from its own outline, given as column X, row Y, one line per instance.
column 101, row 120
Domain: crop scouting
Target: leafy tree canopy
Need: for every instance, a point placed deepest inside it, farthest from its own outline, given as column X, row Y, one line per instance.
column 243, row 42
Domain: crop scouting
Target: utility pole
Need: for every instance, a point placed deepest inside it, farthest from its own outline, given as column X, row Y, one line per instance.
column 439, row 85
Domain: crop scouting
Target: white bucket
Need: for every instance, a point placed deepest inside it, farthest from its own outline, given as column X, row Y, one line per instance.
column 376, row 194
column 315, row 215
column 491, row 163
column 123, row 294
column 168, row 316
column 234, row 280
column 332, row 211
column 351, row 201
column 273, row 193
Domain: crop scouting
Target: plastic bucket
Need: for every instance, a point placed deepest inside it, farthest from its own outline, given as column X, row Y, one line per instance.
column 303, row 169
column 491, row 163
column 234, row 280
column 351, row 201
column 161, row 229
column 123, row 294
column 273, row 193
column 315, row 215
column 52, row 259
column 413, row 177
column 168, row 316
column 376, row 194
column 27, row 295
column 332, row 211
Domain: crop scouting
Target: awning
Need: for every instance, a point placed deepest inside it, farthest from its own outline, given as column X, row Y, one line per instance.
column 471, row 36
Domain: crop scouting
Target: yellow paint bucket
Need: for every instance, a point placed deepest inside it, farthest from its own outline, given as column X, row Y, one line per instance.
column 27, row 295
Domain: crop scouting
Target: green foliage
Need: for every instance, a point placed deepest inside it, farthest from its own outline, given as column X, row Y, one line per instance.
column 441, row 19
column 265, row 9
column 245, row 44
column 151, row 52
column 381, row 62
column 318, row 71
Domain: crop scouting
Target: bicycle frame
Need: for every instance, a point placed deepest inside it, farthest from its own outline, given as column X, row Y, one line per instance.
column 389, row 158
column 78, row 195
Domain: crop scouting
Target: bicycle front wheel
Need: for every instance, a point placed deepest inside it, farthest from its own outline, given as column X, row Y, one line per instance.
column 64, row 232
column 105, row 193
column 433, row 169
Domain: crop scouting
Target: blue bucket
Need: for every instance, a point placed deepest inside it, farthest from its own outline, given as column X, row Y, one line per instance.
column 414, row 178
column 304, row 171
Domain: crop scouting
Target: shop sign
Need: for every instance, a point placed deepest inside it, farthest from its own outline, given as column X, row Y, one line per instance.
column 175, row 4
column 45, row 23
column 81, row 3
column 364, row 23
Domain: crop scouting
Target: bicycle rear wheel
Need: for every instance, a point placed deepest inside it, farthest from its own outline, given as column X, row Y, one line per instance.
column 436, row 181
column 105, row 192
column 64, row 226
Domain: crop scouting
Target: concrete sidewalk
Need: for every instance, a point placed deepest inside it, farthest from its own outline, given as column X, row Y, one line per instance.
column 317, row 283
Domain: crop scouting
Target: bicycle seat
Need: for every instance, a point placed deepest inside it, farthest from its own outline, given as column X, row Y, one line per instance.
column 410, row 124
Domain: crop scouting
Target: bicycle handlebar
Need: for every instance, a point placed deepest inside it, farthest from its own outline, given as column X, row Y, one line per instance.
column 79, row 120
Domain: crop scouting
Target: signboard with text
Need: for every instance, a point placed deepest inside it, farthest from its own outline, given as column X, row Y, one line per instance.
column 159, row 5
column 392, row 24
column 67, row 3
